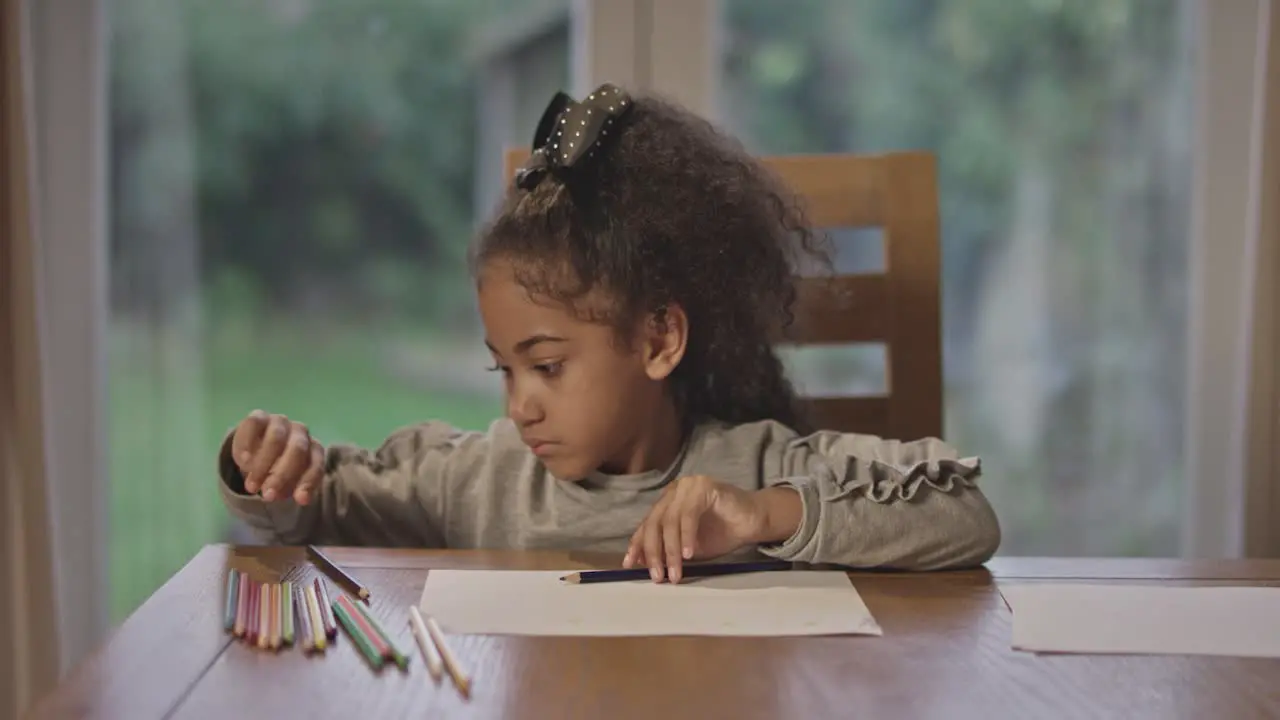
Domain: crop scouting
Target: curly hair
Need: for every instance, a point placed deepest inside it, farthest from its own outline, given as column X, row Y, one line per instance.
column 672, row 211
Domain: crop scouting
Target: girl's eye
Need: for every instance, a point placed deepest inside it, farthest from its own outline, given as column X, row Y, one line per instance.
column 505, row 370
column 549, row 369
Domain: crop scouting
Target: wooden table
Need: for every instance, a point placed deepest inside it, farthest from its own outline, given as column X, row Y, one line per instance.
column 945, row 653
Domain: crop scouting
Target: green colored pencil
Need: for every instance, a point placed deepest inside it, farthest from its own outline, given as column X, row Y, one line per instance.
column 366, row 648
column 286, row 610
column 397, row 655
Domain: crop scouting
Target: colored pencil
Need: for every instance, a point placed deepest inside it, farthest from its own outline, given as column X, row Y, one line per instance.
column 276, row 620
column 362, row 641
column 460, row 678
column 264, row 615
column 339, row 575
column 430, row 655
column 305, row 637
column 286, row 612
column 233, row 595
column 268, row 617
column 242, row 605
column 397, row 656
column 326, row 615
column 390, row 651
column 376, row 641
column 317, row 625
column 688, row 571
column 251, row 624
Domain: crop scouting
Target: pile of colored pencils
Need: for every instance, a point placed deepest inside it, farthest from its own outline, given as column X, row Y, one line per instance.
column 274, row 615
column 260, row 613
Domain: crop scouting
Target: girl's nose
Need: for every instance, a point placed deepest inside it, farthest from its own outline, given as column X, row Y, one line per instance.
column 522, row 406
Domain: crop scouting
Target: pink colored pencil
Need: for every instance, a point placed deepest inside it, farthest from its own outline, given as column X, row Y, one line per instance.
column 242, row 605
column 251, row 625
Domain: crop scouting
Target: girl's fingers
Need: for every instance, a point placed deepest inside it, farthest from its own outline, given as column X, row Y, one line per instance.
column 635, row 556
column 652, row 545
column 311, row 478
column 671, row 545
column 248, row 438
column 288, row 470
column 689, row 518
column 268, row 453
column 635, row 549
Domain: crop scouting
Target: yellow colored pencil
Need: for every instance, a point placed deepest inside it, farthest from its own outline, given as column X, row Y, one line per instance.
column 430, row 655
column 264, row 615
column 317, row 625
column 460, row 678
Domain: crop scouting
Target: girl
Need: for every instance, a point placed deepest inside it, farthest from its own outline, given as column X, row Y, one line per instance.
column 631, row 286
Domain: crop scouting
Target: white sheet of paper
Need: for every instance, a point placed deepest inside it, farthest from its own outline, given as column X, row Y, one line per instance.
column 1145, row 619
column 518, row 602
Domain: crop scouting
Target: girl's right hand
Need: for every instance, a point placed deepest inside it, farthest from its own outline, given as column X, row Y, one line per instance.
column 277, row 457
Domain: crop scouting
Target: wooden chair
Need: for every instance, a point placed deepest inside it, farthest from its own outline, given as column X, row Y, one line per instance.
column 900, row 308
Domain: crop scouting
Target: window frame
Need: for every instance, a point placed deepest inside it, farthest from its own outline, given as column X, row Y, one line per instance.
column 670, row 46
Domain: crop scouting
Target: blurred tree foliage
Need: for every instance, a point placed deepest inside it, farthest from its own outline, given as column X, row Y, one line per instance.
column 322, row 152
column 1062, row 129
column 332, row 144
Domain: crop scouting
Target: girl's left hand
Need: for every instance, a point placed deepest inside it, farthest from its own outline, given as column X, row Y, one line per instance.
column 699, row 517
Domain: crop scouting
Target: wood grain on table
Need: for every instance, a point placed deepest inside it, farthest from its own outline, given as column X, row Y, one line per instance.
column 945, row 653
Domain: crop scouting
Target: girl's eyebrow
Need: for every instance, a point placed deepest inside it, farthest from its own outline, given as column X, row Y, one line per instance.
column 529, row 343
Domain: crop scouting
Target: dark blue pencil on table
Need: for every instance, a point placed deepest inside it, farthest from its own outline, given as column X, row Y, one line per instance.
column 689, row 571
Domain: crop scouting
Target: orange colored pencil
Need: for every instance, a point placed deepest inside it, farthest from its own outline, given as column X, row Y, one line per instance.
column 274, row 642
column 251, row 623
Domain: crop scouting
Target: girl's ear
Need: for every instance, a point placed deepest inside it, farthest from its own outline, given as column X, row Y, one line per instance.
column 666, row 334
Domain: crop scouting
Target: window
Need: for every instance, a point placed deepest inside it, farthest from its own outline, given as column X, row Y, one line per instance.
column 1063, row 132
column 293, row 184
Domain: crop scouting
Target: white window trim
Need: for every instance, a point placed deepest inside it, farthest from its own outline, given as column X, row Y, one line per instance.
column 666, row 46
column 1232, row 487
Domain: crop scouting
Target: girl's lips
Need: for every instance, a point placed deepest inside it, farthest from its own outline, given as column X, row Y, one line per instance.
column 539, row 447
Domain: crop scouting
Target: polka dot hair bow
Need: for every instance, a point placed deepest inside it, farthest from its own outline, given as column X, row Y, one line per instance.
column 570, row 132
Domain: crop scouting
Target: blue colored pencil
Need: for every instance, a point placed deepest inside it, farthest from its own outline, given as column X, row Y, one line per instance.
column 233, row 598
column 688, row 571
